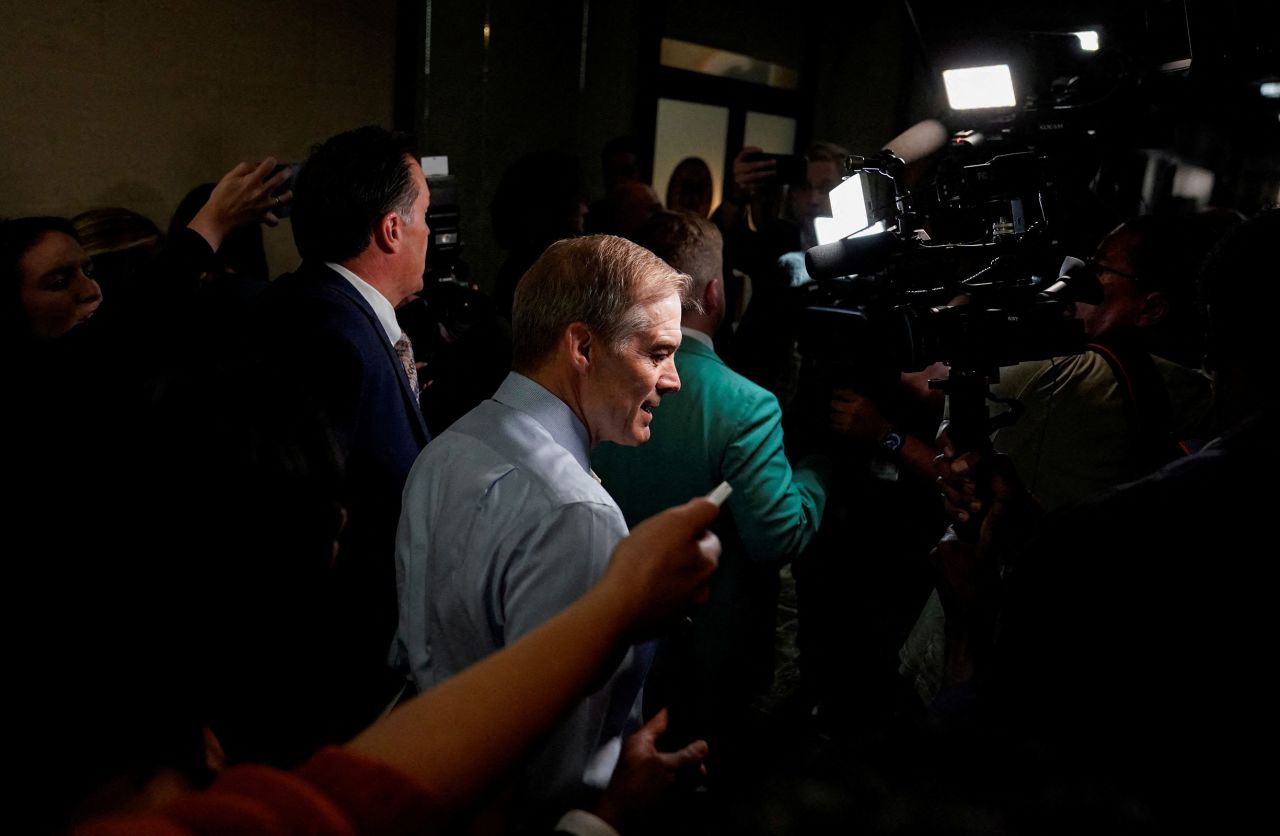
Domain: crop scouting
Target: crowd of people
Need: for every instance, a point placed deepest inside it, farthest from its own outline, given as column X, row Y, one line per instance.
column 294, row 567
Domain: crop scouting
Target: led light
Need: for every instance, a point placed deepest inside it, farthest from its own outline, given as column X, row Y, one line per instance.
column 849, row 211
column 1270, row 89
column 827, row 230
column 849, row 204
column 978, row 87
column 1088, row 40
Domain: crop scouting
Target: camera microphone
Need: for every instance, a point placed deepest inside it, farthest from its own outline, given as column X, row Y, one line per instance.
column 851, row 255
column 919, row 141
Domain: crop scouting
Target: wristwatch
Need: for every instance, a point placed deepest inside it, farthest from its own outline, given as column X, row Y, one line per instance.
column 891, row 441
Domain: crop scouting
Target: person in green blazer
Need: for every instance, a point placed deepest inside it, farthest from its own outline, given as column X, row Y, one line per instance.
column 719, row 427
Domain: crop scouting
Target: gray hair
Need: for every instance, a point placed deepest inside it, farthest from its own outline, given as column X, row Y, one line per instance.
column 601, row 281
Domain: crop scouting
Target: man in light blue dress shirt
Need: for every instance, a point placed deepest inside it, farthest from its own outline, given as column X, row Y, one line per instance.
column 504, row 524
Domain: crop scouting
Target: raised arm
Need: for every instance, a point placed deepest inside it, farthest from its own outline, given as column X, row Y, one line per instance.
column 242, row 196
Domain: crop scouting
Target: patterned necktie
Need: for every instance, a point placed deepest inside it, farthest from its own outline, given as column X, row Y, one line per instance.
column 404, row 350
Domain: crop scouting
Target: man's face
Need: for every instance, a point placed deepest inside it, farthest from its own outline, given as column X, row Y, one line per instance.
column 622, row 167
column 623, row 388
column 56, row 288
column 1122, row 298
column 417, row 235
column 812, row 199
column 636, row 203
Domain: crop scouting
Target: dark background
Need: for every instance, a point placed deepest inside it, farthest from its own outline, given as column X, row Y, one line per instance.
column 132, row 103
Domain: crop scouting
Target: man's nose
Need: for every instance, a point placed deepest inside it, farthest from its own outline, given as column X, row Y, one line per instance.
column 87, row 289
column 669, row 380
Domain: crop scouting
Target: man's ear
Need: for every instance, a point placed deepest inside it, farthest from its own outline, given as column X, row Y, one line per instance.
column 713, row 296
column 215, row 759
column 579, row 342
column 388, row 234
column 1155, row 307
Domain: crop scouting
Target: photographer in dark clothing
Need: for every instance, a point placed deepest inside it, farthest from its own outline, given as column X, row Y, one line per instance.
column 1116, row 411
column 1119, row 634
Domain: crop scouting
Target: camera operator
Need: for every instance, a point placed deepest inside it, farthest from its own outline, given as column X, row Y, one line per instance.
column 1117, row 411
column 1129, row 624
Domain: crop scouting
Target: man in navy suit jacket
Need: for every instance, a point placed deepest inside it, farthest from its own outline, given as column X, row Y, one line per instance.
column 359, row 222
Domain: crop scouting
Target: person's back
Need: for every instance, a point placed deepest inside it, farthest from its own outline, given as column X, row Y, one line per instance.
column 1077, row 436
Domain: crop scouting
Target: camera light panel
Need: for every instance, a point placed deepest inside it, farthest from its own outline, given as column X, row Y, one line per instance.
column 1088, row 40
column 848, row 210
column 972, row 88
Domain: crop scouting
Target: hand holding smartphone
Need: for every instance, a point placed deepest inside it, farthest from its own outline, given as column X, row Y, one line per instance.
column 790, row 169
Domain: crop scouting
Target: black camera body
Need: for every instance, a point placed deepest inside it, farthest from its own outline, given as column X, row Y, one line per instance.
column 992, row 292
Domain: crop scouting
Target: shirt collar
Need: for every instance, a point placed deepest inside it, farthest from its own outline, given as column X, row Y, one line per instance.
column 382, row 308
column 694, row 334
column 536, row 401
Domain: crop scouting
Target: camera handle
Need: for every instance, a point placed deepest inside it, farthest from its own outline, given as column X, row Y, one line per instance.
column 966, row 392
column 969, row 427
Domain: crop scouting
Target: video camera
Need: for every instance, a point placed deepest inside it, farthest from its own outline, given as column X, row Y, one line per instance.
column 969, row 268
column 1017, row 298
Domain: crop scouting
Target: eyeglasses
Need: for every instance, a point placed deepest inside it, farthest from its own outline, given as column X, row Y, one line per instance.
column 1098, row 268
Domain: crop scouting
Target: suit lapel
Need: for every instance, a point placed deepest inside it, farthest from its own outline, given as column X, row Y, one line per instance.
column 340, row 285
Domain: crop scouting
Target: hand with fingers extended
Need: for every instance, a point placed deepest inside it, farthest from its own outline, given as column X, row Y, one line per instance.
column 243, row 196
column 644, row 775
column 662, row 568
column 750, row 173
